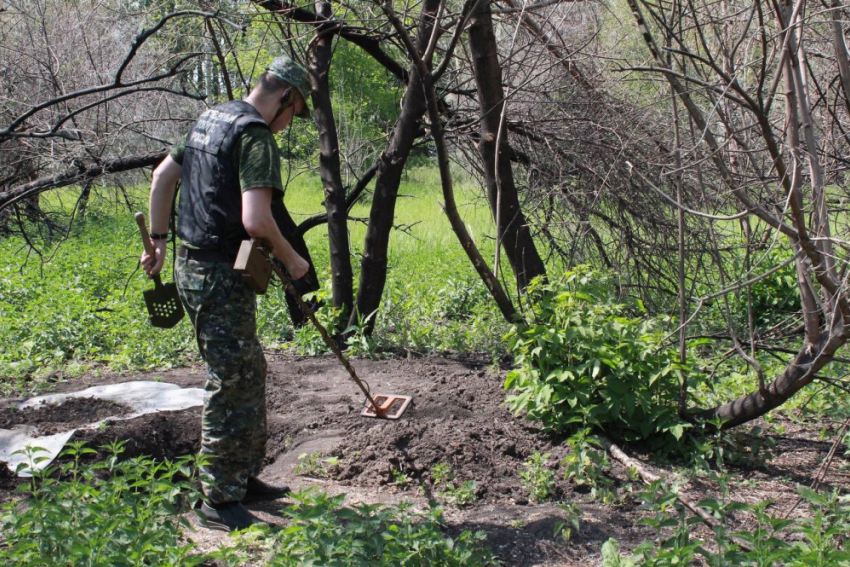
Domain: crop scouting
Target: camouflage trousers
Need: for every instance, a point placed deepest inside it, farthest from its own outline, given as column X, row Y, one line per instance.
column 233, row 438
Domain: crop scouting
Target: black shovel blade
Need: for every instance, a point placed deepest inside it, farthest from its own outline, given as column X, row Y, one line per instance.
column 164, row 305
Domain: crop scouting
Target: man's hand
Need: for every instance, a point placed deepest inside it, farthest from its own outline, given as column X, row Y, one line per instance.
column 153, row 264
column 297, row 266
column 163, row 186
column 259, row 223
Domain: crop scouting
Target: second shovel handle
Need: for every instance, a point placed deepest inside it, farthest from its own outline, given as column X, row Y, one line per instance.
column 146, row 241
column 146, row 238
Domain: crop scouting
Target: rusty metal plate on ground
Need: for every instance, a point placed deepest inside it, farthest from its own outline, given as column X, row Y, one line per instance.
column 390, row 406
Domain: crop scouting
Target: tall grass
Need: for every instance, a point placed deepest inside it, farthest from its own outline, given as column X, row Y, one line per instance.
column 78, row 301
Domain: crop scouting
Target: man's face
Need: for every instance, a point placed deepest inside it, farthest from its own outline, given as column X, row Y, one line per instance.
column 284, row 119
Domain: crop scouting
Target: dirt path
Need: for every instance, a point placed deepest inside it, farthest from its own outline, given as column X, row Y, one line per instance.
column 457, row 419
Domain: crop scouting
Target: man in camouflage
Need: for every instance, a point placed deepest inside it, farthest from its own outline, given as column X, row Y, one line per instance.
column 229, row 164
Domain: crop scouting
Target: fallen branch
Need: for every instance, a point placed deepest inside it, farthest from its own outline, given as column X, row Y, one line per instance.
column 78, row 175
column 649, row 477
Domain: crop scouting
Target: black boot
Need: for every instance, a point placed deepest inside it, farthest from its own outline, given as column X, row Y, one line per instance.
column 228, row 516
column 257, row 490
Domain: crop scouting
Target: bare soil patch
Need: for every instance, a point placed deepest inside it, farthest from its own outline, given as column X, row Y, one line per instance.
column 457, row 418
column 52, row 418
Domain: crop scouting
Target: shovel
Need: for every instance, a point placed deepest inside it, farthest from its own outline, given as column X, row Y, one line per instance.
column 162, row 301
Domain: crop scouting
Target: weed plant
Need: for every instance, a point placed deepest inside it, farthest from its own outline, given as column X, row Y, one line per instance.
column 312, row 464
column 586, row 466
column 537, row 478
column 572, row 521
column 449, row 490
column 818, row 540
column 111, row 513
column 321, row 531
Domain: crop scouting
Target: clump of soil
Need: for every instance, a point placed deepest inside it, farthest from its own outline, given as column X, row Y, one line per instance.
column 457, row 418
column 162, row 435
column 70, row 414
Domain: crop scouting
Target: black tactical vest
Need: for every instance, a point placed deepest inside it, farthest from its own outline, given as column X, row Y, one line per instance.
column 210, row 210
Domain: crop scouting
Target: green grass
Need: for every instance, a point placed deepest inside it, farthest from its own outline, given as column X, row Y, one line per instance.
column 433, row 300
column 108, row 513
column 80, row 303
column 135, row 512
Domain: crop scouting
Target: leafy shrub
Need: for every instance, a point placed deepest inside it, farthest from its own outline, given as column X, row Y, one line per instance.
column 581, row 358
column 323, row 532
column 107, row 514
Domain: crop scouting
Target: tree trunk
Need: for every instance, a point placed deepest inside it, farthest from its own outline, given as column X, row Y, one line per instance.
column 502, row 195
column 83, row 201
column 840, row 47
column 373, row 268
column 798, row 374
column 329, row 167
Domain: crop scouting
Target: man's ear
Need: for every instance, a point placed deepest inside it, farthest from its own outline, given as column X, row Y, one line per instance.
column 286, row 98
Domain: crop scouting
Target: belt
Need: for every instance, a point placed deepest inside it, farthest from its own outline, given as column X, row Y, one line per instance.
column 205, row 255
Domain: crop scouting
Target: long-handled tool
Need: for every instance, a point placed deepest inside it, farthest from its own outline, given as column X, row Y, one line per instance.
column 163, row 301
column 254, row 263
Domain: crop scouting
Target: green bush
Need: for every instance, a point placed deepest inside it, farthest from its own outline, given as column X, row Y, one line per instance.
column 818, row 540
column 109, row 514
column 321, row 531
column 582, row 357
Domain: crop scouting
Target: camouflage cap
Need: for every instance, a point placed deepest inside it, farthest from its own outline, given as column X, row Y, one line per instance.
column 288, row 70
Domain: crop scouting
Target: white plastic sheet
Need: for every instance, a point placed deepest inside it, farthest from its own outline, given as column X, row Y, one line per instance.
column 141, row 396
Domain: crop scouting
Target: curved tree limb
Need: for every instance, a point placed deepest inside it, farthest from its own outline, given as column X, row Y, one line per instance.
column 79, row 175
column 368, row 43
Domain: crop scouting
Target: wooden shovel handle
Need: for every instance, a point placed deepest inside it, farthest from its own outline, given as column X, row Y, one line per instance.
column 146, row 238
column 146, row 241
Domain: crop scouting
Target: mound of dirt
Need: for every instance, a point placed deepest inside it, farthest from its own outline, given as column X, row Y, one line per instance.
column 457, row 418
column 163, row 435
